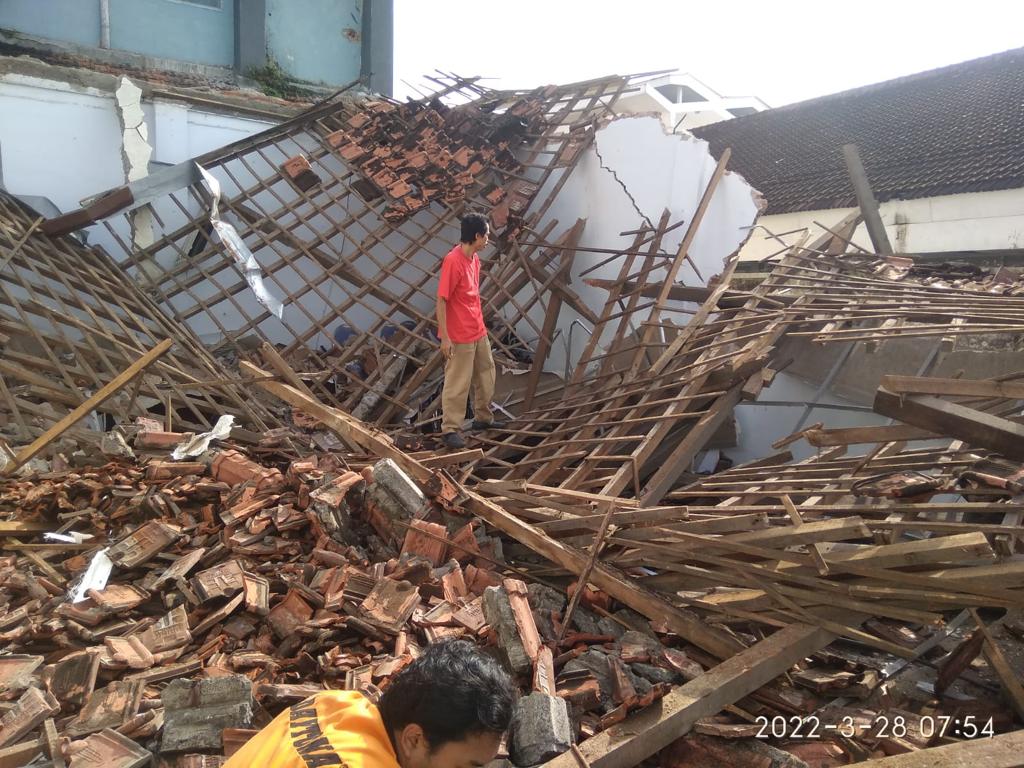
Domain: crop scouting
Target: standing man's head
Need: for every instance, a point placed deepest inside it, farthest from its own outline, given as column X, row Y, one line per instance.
column 449, row 708
column 475, row 231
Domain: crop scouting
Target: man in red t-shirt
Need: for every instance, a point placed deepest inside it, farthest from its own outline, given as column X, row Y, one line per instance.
column 464, row 343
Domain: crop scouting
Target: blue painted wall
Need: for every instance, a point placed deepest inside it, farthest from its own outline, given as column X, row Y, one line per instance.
column 72, row 21
column 174, row 30
column 316, row 40
column 170, row 29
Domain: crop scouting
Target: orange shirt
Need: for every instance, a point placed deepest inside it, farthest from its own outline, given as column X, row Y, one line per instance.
column 332, row 728
column 459, row 286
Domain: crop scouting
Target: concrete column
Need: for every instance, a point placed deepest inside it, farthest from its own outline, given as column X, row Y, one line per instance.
column 250, row 35
column 378, row 49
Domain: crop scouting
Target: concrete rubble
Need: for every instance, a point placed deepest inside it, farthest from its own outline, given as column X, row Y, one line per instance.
column 541, row 729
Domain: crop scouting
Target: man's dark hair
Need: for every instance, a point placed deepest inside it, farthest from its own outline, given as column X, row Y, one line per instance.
column 473, row 224
column 452, row 691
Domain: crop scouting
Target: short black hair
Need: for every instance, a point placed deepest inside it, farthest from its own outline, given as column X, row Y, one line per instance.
column 452, row 691
column 473, row 225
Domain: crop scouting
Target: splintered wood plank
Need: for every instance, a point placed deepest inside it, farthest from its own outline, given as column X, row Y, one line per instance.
column 641, row 735
column 943, row 549
column 1007, row 675
column 974, row 427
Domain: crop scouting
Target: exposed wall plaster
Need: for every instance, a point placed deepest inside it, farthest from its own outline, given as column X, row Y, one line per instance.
column 135, row 153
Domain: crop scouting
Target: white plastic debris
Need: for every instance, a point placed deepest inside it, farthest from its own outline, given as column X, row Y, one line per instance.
column 95, row 576
column 239, row 251
column 200, row 443
column 68, row 538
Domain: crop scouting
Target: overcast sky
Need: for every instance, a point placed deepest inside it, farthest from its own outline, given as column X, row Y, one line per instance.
column 780, row 50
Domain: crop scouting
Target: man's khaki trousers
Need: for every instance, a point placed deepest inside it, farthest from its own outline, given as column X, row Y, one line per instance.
column 470, row 364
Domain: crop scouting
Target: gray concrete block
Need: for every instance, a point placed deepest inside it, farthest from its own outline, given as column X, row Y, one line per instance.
column 393, row 498
column 197, row 711
column 653, row 674
column 540, row 729
column 498, row 612
column 390, row 479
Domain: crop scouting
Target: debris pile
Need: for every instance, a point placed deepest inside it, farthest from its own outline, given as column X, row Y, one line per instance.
column 237, row 588
column 159, row 608
column 234, row 589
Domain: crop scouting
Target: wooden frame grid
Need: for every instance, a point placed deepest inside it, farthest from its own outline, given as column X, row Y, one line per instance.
column 70, row 323
column 334, row 260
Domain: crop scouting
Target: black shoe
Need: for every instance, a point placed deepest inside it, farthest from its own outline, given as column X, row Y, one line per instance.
column 453, row 440
column 480, row 426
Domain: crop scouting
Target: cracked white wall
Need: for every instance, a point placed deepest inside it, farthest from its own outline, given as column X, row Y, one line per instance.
column 63, row 141
column 634, row 172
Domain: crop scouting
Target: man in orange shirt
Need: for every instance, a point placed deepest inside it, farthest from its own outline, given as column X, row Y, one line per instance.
column 448, row 709
column 464, row 343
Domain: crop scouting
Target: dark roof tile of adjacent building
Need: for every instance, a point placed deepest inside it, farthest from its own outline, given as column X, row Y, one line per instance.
column 946, row 131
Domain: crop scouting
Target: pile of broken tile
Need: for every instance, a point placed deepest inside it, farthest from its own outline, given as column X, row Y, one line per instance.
column 236, row 589
column 176, row 606
column 417, row 152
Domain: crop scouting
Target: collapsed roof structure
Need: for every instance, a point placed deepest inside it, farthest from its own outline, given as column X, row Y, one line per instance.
column 299, row 266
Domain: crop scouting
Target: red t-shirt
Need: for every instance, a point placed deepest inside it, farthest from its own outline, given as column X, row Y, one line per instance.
column 460, row 288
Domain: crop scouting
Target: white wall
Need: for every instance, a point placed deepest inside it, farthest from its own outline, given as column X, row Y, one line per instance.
column 977, row 221
column 63, row 141
column 660, row 171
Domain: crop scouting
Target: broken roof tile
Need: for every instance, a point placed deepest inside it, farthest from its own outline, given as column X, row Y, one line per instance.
column 390, row 604
column 427, row 540
column 107, row 707
column 72, row 679
column 117, row 598
column 289, row 614
column 221, row 581
column 142, row 544
column 107, row 749
column 31, row 709
column 16, row 671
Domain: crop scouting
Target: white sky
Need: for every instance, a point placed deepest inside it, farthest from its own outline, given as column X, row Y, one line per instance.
column 779, row 50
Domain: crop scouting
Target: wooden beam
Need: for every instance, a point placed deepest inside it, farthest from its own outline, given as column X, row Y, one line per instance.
column 682, row 254
column 21, row 754
column 829, row 438
column 642, row 734
column 940, row 549
column 866, row 200
column 554, row 308
column 974, row 427
column 274, row 360
column 623, row 589
column 1002, row 751
column 581, row 583
column 19, row 526
column 1006, row 674
column 924, row 385
column 83, row 410
column 661, row 482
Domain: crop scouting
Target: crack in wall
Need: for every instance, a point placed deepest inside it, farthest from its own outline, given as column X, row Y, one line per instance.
column 622, row 184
